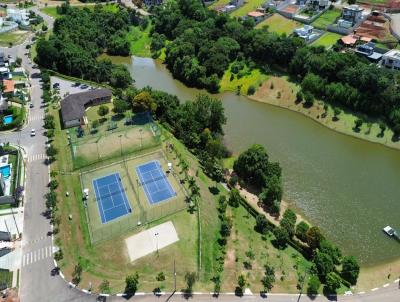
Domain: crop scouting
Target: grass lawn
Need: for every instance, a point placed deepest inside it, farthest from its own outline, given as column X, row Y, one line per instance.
column 326, row 18
column 92, row 114
column 219, row 3
column 251, row 77
column 139, row 41
column 13, row 37
column 249, row 6
column 279, row 24
column 51, row 11
column 246, row 245
column 327, row 40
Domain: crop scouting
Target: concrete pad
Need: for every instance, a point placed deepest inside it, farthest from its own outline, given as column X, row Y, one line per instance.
column 151, row 240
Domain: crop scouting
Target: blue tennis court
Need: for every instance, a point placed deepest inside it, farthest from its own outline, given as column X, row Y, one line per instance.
column 111, row 197
column 155, row 182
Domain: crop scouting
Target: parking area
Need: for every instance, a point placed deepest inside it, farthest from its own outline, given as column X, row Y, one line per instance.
column 68, row 87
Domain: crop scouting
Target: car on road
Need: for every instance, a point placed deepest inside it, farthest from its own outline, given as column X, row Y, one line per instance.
column 77, row 84
column 31, row 105
column 56, row 86
column 33, row 132
column 35, row 66
column 84, row 86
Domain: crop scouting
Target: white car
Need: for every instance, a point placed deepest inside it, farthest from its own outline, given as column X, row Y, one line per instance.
column 33, row 132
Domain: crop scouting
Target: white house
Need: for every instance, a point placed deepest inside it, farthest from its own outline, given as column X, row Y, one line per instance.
column 306, row 32
column 391, row 59
column 20, row 16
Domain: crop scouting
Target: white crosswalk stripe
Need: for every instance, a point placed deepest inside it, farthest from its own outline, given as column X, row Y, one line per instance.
column 36, row 157
column 37, row 255
column 36, row 117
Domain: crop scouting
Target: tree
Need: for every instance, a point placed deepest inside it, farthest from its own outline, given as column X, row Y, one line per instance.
column 332, row 282
column 314, row 237
column 350, row 269
column 313, row 285
column 272, row 192
column 336, row 112
column 58, row 255
column 261, row 224
column 252, row 165
column 103, row 110
column 226, row 226
column 251, row 90
column 51, row 152
column 357, row 124
column 143, row 101
column 301, row 231
column 18, row 61
column 104, row 287
column 234, row 198
column 308, row 99
column 120, row 77
column 49, row 122
column 160, row 276
column 44, row 27
column 190, row 278
column 120, row 106
column 269, row 278
column 281, row 237
column 53, row 184
column 333, row 251
column 288, row 222
column 76, row 275
column 241, row 281
column 131, row 284
column 324, row 264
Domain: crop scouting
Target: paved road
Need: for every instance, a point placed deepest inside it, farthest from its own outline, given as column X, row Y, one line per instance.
column 37, row 284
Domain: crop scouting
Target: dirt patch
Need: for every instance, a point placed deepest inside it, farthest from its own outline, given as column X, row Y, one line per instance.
column 375, row 27
column 376, row 276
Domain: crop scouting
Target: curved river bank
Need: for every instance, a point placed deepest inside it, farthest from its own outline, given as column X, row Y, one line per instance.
column 349, row 187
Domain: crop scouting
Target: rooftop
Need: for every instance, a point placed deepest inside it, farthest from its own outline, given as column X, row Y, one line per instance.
column 255, row 14
column 8, row 85
column 73, row 106
column 394, row 53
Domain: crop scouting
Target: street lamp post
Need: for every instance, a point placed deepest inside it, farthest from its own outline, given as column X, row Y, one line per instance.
column 120, row 144
column 140, row 131
column 156, row 235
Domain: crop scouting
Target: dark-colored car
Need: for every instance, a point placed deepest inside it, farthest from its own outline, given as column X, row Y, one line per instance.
column 56, row 85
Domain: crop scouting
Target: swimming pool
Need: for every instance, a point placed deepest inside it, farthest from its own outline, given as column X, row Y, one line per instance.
column 8, row 119
column 5, row 171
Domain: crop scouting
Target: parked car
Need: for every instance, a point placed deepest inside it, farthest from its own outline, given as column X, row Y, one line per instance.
column 31, row 105
column 77, row 84
column 56, row 85
column 33, row 132
column 84, row 86
column 35, row 66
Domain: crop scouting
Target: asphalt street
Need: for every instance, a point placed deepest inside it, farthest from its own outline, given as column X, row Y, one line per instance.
column 36, row 282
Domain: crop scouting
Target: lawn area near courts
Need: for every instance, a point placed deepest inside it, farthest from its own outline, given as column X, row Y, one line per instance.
column 248, row 252
column 140, row 41
column 248, row 6
column 326, row 19
column 13, row 37
column 254, row 77
column 279, row 24
column 327, row 40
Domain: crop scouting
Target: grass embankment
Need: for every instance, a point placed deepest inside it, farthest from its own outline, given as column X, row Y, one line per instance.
column 219, row 3
column 247, row 77
column 13, row 37
column 327, row 40
column 279, row 24
column 327, row 18
column 139, row 41
column 247, row 7
column 52, row 10
column 287, row 90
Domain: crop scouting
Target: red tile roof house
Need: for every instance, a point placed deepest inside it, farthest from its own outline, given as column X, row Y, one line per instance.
column 8, row 87
column 257, row 16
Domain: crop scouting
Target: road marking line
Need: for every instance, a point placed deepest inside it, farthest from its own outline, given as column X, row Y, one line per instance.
column 34, row 256
column 374, row 289
column 46, row 252
column 31, row 254
column 23, row 260
column 386, row 285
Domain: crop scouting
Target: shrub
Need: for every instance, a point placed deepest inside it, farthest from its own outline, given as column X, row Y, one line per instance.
column 251, row 90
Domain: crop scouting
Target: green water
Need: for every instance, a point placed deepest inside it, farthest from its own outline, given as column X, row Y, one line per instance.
column 349, row 187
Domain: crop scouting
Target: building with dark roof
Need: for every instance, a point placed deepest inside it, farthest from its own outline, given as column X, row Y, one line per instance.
column 73, row 107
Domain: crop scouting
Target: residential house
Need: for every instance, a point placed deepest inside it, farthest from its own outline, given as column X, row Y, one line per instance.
column 350, row 40
column 237, row 3
column 319, row 5
column 306, row 32
column 301, row 2
column 256, row 16
column 21, row 16
column 73, row 107
column 8, row 88
column 352, row 14
column 3, row 103
column 391, row 59
column 368, row 50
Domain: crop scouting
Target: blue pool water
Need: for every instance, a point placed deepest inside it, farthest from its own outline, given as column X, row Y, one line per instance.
column 7, row 119
column 5, row 171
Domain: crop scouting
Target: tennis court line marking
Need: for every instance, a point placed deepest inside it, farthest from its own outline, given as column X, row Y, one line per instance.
column 98, row 200
column 121, row 190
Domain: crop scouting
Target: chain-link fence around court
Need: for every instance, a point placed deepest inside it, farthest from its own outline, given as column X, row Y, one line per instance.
column 112, row 140
column 143, row 211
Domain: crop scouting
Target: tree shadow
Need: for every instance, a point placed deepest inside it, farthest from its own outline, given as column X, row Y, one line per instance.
column 312, row 296
column 214, row 190
column 356, row 130
column 238, row 291
column 329, row 295
column 395, row 138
